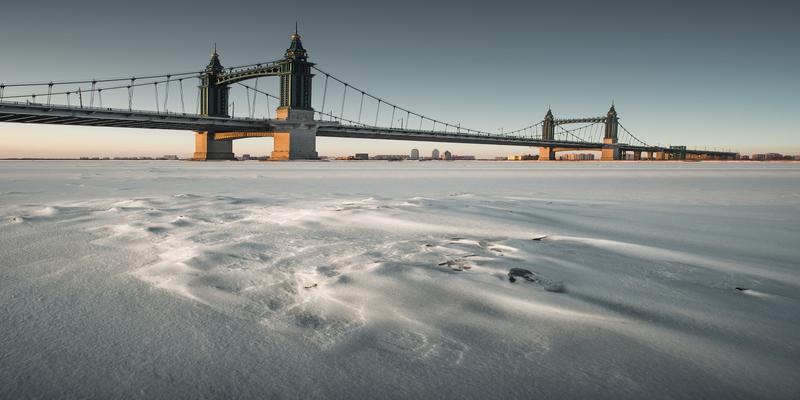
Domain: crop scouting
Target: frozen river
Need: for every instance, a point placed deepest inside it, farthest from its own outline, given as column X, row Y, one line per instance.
column 389, row 280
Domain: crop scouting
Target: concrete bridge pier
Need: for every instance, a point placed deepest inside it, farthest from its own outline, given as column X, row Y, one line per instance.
column 547, row 154
column 206, row 148
column 637, row 155
column 300, row 141
column 610, row 152
column 297, row 144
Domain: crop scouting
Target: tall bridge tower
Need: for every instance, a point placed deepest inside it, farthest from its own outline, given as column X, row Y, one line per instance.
column 301, row 141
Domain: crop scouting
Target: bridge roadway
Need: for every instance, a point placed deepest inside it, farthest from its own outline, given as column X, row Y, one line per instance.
column 238, row 128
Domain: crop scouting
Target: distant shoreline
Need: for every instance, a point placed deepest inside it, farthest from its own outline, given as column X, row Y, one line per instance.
column 477, row 160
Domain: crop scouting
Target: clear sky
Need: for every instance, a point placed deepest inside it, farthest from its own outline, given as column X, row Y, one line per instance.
column 701, row 73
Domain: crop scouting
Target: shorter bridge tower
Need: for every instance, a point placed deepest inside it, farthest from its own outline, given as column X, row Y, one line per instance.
column 548, row 133
column 213, row 103
column 611, row 149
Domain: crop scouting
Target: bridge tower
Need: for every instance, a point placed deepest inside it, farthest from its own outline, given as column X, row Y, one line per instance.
column 213, row 103
column 610, row 149
column 548, row 133
column 300, row 141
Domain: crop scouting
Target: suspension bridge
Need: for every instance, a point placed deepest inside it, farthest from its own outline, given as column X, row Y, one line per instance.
column 295, row 124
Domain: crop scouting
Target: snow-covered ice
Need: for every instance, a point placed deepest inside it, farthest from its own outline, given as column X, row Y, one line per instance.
column 391, row 280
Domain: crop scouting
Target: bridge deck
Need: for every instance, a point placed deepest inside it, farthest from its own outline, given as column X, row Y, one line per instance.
column 245, row 127
column 115, row 118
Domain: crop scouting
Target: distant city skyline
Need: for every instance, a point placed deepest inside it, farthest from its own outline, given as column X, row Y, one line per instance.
column 690, row 73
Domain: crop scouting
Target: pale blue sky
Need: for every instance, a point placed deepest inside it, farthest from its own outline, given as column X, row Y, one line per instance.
column 694, row 73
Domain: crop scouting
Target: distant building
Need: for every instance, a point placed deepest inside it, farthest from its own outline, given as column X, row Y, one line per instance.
column 361, row 156
column 522, row 157
column 414, row 154
column 435, row 154
column 463, row 157
column 448, row 155
column 744, row 157
column 774, row 156
column 390, row 157
column 768, row 157
column 586, row 157
column 245, row 157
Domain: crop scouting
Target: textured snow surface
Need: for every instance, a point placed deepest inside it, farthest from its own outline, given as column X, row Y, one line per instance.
column 390, row 280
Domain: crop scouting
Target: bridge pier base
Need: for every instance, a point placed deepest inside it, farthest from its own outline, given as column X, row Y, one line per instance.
column 547, row 154
column 637, row 155
column 206, row 148
column 300, row 142
column 610, row 153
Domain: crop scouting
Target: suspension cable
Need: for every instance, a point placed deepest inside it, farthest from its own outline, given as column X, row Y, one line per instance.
column 327, row 75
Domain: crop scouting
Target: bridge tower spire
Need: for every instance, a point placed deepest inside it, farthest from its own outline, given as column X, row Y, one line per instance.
column 213, row 103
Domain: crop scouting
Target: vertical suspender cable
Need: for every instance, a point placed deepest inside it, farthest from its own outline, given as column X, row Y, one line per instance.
column 377, row 110
column 80, row 97
column 269, row 109
column 325, row 93
column 183, row 104
column 100, row 97
column 249, row 110
column 155, row 90
column 2, row 89
column 199, row 94
column 68, row 101
column 49, row 92
column 166, row 96
column 255, row 94
column 408, row 116
column 130, row 94
column 91, row 97
column 420, row 122
column 344, row 96
column 391, row 120
column 360, row 107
